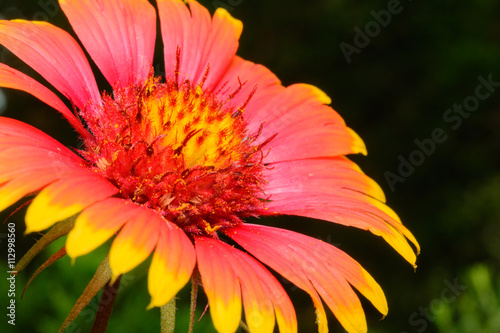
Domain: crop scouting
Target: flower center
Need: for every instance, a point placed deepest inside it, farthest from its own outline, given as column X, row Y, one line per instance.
column 180, row 150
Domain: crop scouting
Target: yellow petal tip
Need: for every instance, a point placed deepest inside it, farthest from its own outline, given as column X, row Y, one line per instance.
column 319, row 94
column 224, row 14
column 358, row 146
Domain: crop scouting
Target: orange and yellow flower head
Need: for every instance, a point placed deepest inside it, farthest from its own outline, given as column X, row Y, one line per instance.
column 173, row 165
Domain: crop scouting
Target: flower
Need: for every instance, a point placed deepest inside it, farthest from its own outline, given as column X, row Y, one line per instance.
column 174, row 165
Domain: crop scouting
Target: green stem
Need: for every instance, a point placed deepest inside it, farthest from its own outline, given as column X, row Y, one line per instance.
column 58, row 230
column 99, row 280
column 194, row 295
column 168, row 317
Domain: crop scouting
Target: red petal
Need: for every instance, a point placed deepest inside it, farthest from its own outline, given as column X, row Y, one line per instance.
column 21, row 159
column 65, row 198
column 362, row 212
column 23, row 154
column 11, row 78
column 304, row 125
column 310, row 137
column 17, row 188
column 324, row 175
column 246, row 77
column 54, row 54
column 301, row 258
column 15, row 133
column 30, row 160
column 292, row 272
column 136, row 240
column 96, row 224
column 221, row 46
column 203, row 41
column 262, row 293
column 290, row 101
column 221, row 285
column 119, row 36
column 172, row 265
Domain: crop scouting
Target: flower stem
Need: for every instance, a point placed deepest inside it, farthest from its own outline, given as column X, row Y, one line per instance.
column 168, row 317
column 194, row 295
column 58, row 230
column 105, row 306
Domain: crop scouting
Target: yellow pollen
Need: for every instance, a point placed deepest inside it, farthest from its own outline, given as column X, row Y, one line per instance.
column 188, row 122
column 209, row 229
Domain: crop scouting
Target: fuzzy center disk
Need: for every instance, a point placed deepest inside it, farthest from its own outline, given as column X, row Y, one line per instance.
column 179, row 150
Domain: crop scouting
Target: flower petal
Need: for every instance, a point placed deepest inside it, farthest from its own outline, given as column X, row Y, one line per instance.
column 361, row 212
column 335, row 189
column 310, row 138
column 222, row 45
column 30, row 160
column 135, row 241
column 15, row 133
column 173, row 263
column 11, row 78
column 119, row 36
column 291, row 271
column 326, row 175
column 292, row 98
column 204, row 42
column 65, row 198
column 96, row 224
column 301, row 258
column 262, row 293
column 18, row 188
column 20, row 156
column 221, row 286
column 306, row 127
column 248, row 79
column 54, row 54
column 19, row 160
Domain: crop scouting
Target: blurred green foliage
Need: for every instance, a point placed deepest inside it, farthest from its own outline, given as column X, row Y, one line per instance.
column 396, row 90
column 478, row 310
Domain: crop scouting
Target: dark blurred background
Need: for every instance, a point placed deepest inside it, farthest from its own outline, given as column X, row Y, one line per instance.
column 419, row 81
